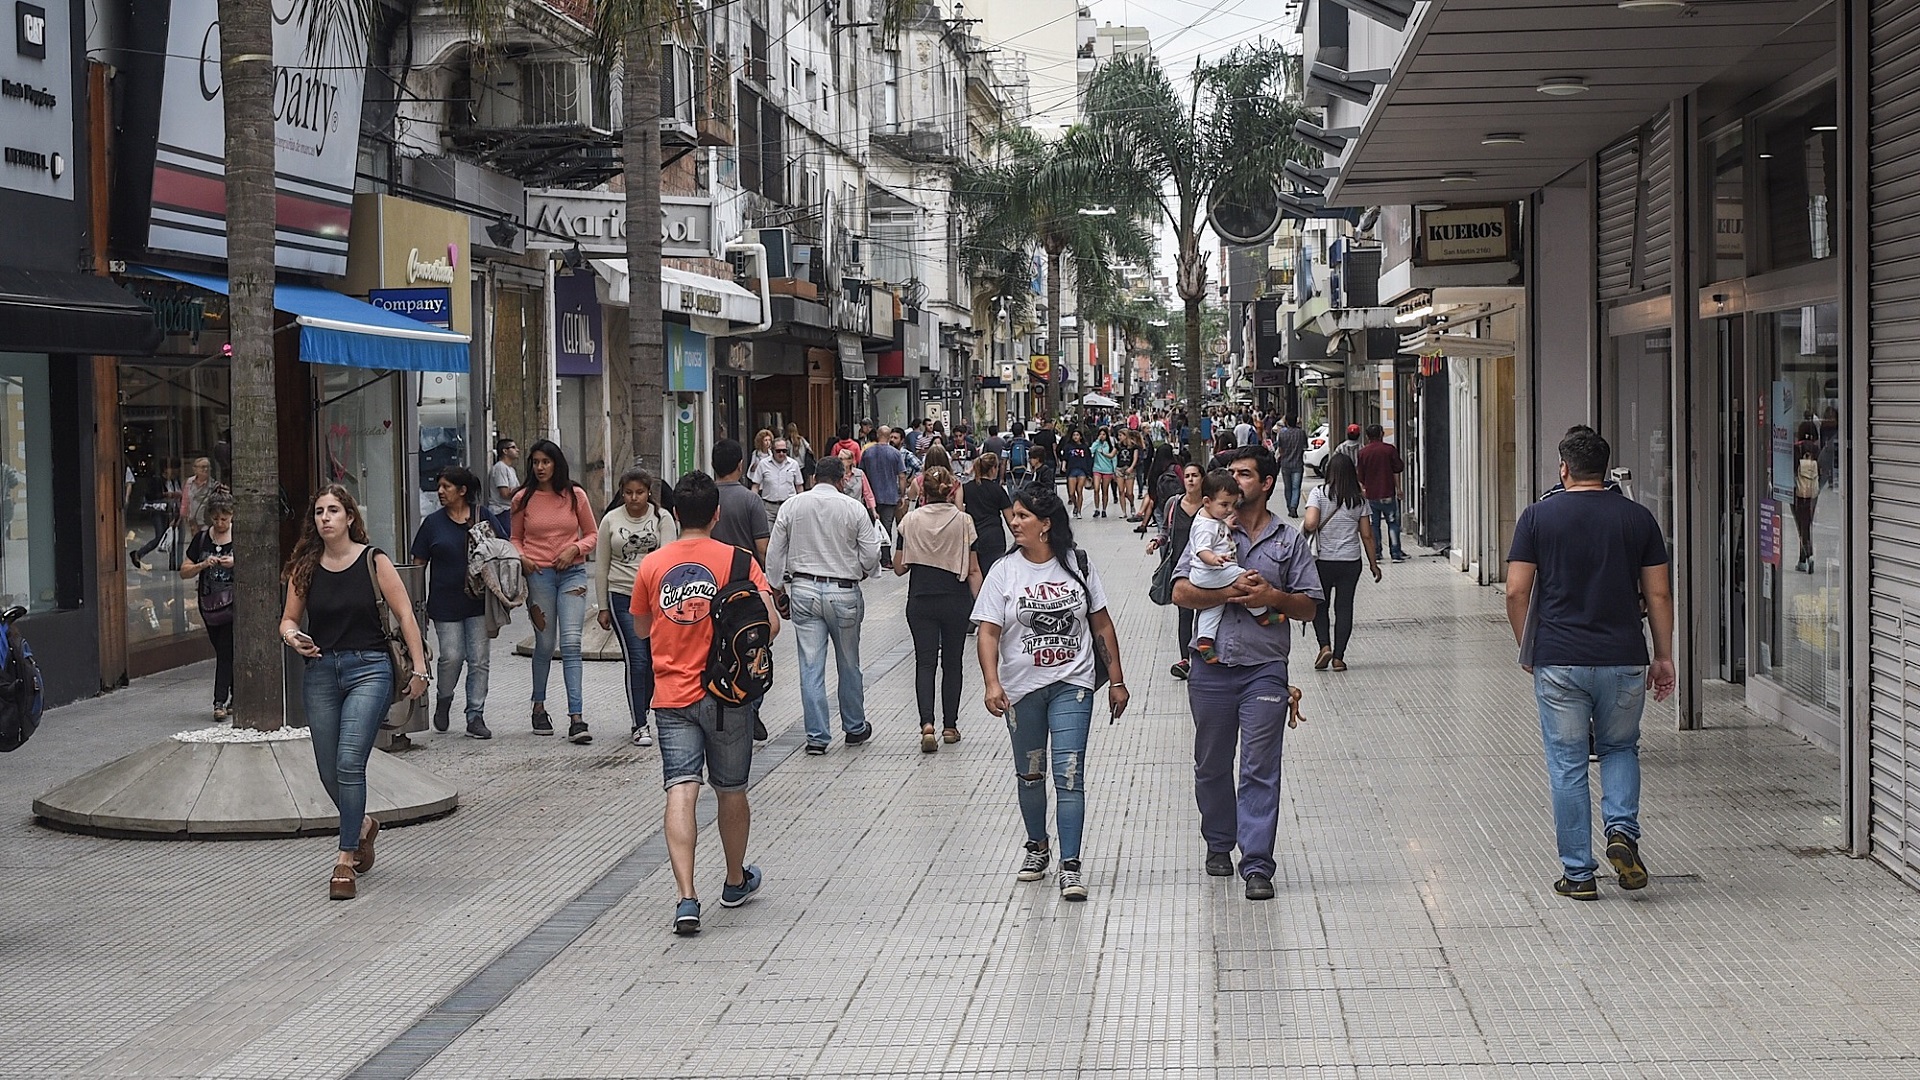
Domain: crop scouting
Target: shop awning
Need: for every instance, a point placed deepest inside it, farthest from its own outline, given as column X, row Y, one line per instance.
column 337, row 329
column 52, row 311
column 682, row 292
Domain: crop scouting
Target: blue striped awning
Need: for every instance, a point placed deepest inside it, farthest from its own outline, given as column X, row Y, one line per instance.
column 337, row 329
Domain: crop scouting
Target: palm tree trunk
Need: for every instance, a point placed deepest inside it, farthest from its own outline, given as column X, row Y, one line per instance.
column 246, row 61
column 1192, row 287
column 1050, row 401
column 646, row 333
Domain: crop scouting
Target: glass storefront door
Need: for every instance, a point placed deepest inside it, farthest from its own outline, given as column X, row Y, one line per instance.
column 1801, row 505
column 360, row 447
column 174, row 415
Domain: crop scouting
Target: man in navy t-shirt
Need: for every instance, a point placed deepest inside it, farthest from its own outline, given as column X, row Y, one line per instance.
column 1588, row 558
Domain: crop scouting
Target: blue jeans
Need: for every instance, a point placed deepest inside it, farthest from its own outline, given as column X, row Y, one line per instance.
column 1386, row 511
column 1606, row 701
column 1058, row 714
column 1293, row 478
column 638, row 654
column 562, row 595
column 705, row 740
column 464, row 642
column 347, row 694
column 824, row 612
column 1241, row 709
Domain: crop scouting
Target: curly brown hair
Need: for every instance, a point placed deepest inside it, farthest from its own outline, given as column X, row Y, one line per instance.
column 937, row 483
column 298, row 573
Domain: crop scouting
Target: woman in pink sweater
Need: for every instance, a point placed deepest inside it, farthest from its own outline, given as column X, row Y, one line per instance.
column 555, row 530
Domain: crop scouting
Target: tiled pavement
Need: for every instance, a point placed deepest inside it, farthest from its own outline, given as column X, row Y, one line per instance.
column 1413, row 936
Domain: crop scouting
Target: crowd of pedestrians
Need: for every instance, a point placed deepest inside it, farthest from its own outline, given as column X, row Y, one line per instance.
column 695, row 581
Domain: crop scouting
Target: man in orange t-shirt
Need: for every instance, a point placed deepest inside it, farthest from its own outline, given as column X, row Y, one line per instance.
column 672, row 608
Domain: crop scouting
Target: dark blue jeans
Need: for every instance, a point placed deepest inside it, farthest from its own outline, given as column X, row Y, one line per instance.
column 638, row 654
column 347, row 693
column 1387, row 512
column 1293, row 478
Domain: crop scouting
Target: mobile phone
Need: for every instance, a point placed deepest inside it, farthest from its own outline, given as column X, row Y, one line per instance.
column 300, row 637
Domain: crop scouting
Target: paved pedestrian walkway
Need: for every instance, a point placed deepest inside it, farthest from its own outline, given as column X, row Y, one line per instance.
column 1414, row 934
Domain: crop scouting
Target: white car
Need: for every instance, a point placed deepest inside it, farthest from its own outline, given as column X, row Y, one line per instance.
column 1319, row 445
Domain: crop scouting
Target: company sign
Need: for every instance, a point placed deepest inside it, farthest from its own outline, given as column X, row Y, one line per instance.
column 316, row 109
column 1471, row 234
column 577, row 338
column 597, row 222
column 36, row 106
column 431, row 306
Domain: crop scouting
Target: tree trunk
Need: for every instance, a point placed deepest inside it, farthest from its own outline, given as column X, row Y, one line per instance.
column 1050, row 402
column 1192, row 287
column 646, row 332
column 246, row 62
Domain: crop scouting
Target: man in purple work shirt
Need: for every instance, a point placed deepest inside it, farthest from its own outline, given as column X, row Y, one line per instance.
column 1241, row 700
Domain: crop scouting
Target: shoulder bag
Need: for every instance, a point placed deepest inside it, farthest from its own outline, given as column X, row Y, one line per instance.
column 396, row 644
column 216, row 602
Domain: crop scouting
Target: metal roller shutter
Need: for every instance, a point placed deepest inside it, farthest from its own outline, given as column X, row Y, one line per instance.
column 1655, row 259
column 1892, row 434
column 1616, row 197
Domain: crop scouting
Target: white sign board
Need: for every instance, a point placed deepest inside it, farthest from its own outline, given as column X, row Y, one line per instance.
column 597, row 221
column 316, row 107
column 1467, row 235
column 36, row 101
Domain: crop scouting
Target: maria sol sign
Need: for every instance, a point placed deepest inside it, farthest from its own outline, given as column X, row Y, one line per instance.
column 1466, row 234
column 597, row 221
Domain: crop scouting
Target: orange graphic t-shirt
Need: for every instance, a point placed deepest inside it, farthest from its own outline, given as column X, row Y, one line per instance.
column 675, row 589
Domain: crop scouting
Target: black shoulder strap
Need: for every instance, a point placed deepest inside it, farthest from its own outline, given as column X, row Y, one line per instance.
column 742, row 566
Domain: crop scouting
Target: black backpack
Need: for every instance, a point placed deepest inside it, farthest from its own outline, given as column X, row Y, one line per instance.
column 740, row 661
column 21, row 688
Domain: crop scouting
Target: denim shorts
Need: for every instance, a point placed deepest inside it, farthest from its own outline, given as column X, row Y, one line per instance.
column 691, row 743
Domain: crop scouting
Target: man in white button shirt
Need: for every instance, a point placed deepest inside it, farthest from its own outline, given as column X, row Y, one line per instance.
column 823, row 545
column 777, row 478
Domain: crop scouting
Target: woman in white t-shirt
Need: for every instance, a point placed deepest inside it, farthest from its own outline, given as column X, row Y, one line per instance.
column 1336, row 517
column 1043, row 614
column 629, row 533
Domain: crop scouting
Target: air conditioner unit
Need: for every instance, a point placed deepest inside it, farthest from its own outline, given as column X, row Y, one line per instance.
column 778, row 243
column 564, row 93
column 927, row 140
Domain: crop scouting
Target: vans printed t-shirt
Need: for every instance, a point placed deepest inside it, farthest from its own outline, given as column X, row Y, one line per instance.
column 675, row 588
column 1042, row 613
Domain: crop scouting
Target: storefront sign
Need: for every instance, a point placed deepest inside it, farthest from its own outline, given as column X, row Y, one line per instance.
column 431, row 306
column 686, row 438
column 853, row 362
column 316, row 107
column 1473, row 234
column 36, row 106
column 577, row 346
column 1039, row 366
column 1770, row 532
column 597, row 222
column 411, row 252
column 686, row 359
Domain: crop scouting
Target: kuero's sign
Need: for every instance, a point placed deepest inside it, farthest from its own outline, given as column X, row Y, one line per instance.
column 1466, row 234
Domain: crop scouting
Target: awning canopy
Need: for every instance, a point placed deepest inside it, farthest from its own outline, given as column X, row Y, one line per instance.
column 699, row 296
column 1099, row 401
column 337, row 329
column 51, row 311
column 1467, row 69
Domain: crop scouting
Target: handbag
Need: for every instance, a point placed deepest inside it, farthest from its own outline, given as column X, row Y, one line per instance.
column 396, row 644
column 216, row 603
column 1100, row 673
column 1806, row 478
column 1161, row 591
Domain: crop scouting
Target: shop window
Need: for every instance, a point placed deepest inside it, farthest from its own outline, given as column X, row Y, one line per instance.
column 360, row 446
column 1803, row 506
column 1642, row 420
column 1726, row 217
column 27, row 546
column 1798, row 164
column 174, row 417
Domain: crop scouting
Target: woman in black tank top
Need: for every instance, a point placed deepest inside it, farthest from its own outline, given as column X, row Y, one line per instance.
column 348, row 684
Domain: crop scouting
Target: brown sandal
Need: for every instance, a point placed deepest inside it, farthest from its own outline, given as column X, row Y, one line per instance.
column 363, row 855
column 1325, row 657
column 951, row 735
column 344, row 883
column 1294, row 719
column 927, row 742
column 1339, row 665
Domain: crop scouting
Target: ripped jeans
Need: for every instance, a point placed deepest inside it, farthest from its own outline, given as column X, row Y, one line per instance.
column 562, row 596
column 1060, row 714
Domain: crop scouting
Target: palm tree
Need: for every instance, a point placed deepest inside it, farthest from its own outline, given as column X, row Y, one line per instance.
column 1226, row 140
column 1036, row 195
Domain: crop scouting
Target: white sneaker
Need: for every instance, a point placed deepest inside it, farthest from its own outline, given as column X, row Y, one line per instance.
column 643, row 736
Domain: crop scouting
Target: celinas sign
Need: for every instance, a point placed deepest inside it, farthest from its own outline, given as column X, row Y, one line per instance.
column 1468, row 234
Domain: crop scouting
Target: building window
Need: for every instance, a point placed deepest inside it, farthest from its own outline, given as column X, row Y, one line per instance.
column 1798, row 159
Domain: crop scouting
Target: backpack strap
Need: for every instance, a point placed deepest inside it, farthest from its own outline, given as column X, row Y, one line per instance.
column 742, row 566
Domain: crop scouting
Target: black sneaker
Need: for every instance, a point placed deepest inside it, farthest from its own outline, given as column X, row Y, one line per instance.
column 1033, row 865
column 1578, row 890
column 760, row 731
column 1219, row 864
column 477, row 729
column 1259, row 887
column 816, row 749
column 1072, row 886
column 578, row 734
column 1623, row 852
column 542, row 723
column 855, row 738
column 1182, row 669
column 442, row 714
